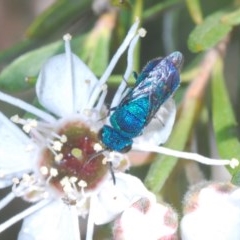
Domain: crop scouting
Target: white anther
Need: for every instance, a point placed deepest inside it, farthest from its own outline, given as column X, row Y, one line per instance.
column 105, row 161
column 15, row 181
column 97, row 147
column 82, row 184
column 234, row 163
column 53, row 172
column 67, row 37
column 73, row 179
column 67, row 188
column 64, row 181
column 57, row 145
column 63, row 139
column 30, row 123
column 44, row 170
column 15, row 119
column 26, row 177
column 58, row 157
column 142, row 32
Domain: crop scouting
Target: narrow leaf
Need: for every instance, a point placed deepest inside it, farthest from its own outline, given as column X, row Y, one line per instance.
column 59, row 14
column 209, row 33
column 159, row 7
column 16, row 76
column 195, row 10
column 13, row 77
column 232, row 18
column 162, row 167
column 95, row 51
column 224, row 122
column 17, row 49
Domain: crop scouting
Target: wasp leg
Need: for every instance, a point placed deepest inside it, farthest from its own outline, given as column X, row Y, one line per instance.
column 112, row 172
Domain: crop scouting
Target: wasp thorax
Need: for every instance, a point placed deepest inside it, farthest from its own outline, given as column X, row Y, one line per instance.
column 71, row 163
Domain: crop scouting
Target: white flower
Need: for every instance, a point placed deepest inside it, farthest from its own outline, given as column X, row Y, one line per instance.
column 113, row 199
column 54, row 160
column 212, row 211
column 146, row 219
column 57, row 157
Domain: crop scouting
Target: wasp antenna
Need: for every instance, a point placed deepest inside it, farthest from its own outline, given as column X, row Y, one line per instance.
column 94, row 155
column 109, row 164
column 112, row 172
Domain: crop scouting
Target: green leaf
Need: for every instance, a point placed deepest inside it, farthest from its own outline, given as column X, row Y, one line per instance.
column 224, row 122
column 195, row 10
column 13, row 77
column 61, row 13
column 232, row 18
column 159, row 7
column 209, row 33
column 192, row 69
column 124, row 4
column 17, row 49
column 162, row 167
column 96, row 46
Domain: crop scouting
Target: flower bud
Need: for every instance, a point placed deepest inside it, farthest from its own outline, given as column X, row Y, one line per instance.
column 146, row 219
column 212, row 211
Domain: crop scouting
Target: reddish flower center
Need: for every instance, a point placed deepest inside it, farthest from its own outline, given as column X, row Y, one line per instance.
column 79, row 161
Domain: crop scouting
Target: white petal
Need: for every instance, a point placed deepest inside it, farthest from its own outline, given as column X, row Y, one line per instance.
column 160, row 127
column 204, row 225
column 64, row 88
column 113, row 199
column 216, row 216
column 14, row 157
column 235, row 196
column 56, row 221
column 138, row 222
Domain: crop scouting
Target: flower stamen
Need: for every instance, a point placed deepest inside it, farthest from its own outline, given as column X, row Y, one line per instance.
column 70, row 188
column 28, row 187
column 108, row 71
column 82, row 184
column 6, row 200
column 55, row 145
column 62, row 138
column 27, row 107
column 53, row 173
column 44, row 170
column 23, row 214
column 101, row 98
column 122, row 87
column 28, row 124
column 187, row 155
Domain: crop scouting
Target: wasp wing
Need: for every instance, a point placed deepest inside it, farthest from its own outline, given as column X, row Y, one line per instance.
column 161, row 79
column 145, row 73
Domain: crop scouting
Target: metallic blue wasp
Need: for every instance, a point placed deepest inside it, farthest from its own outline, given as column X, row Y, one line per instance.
column 157, row 82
